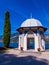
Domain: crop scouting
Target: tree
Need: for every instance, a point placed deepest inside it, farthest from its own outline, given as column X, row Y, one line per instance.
column 7, row 30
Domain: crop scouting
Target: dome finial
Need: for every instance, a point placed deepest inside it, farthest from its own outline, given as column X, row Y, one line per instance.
column 31, row 15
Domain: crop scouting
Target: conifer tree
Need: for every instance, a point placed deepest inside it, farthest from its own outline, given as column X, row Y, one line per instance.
column 7, row 30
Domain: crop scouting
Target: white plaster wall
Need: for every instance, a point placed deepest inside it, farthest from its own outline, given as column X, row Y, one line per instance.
column 39, row 43
column 30, row 35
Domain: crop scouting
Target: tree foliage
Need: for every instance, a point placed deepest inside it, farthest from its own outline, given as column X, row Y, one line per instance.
column 7, row 30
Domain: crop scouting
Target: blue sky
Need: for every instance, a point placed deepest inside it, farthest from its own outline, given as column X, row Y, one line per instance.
column 20, row 10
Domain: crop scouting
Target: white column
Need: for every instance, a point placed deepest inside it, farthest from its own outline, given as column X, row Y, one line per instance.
column 36, row 42
column 40, row 42
column 19, row 42
column 43, row 44
column 25, row 42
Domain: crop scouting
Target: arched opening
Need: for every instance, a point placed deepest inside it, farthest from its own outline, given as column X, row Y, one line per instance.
column 30, row 40
column 30, row 43
column 47, row 45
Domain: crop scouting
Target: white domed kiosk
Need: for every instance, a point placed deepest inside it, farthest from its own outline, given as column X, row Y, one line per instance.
column 31, row 35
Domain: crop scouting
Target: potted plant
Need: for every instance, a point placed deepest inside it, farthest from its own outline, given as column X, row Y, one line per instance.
column 38, row 49
column 21, row 48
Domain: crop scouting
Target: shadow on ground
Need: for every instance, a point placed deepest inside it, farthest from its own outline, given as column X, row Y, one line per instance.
column 11, row 59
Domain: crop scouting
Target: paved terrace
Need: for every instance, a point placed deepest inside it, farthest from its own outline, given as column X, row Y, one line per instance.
column 16, row 57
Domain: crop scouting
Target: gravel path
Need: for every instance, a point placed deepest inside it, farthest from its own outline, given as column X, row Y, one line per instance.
column 15, row 57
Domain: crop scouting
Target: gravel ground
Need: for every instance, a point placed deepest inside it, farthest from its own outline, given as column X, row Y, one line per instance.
column 16, row 57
